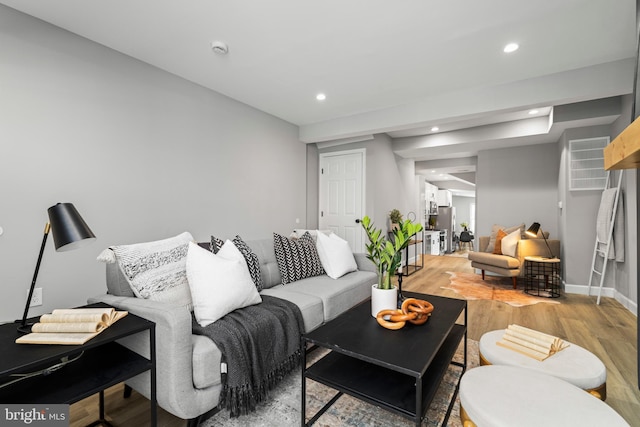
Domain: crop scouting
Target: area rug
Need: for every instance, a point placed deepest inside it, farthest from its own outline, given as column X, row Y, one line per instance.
column 471, row 286
column 283, row 405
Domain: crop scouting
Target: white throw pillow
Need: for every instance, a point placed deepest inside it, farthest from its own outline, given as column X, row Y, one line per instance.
column 219, row 283
column 510, row 243
column 335, row 255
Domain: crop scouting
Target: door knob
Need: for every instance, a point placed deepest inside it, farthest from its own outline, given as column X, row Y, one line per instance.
column 357, row 220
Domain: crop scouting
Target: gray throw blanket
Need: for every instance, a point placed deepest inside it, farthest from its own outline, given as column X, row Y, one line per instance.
column 260, row 344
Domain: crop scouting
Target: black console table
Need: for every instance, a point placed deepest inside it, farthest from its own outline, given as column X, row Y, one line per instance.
column 409, row 269
column 97, row 365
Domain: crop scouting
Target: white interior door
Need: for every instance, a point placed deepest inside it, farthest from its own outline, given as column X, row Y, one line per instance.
column 342, row 195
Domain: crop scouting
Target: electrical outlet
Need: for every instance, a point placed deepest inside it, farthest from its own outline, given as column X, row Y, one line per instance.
column 36, row 297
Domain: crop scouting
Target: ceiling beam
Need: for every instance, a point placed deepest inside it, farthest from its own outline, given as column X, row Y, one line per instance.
column 600, row 81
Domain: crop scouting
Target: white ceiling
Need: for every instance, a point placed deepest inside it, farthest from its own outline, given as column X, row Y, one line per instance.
column 393, row 67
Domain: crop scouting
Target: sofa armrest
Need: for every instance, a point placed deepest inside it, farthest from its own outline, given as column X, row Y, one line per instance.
column 174, row 354
column 364, row 263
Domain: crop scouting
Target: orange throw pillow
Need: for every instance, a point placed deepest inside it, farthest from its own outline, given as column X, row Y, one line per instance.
column 498, row 248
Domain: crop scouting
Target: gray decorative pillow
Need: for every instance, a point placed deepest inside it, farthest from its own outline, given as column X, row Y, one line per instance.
column 297, row 259
column 157, row 270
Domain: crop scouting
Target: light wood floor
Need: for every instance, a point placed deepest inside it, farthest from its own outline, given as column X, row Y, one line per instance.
column 608, row 330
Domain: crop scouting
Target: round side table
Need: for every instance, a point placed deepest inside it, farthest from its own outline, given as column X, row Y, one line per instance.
column 542, row 276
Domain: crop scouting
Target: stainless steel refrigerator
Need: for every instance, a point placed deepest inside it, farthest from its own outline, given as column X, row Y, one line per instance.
column 446, row 220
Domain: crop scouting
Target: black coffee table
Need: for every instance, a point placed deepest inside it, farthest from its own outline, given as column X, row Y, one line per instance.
column 398, row 370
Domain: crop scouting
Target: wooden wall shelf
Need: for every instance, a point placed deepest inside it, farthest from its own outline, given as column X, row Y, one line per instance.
column 624, row 151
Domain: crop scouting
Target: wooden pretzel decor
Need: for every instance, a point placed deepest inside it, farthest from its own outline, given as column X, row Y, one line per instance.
column 413, row 310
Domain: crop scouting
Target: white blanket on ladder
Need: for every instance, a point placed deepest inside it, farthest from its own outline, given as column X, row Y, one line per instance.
column 603, row 224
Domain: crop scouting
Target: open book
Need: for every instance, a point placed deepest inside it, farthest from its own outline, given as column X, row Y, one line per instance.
column 530, row 342
column 71, row 326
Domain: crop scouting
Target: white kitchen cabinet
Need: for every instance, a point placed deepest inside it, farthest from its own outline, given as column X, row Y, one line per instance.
column 445, row 198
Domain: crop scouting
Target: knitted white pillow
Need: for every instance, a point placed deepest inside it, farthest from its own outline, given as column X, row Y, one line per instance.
column 155, row 270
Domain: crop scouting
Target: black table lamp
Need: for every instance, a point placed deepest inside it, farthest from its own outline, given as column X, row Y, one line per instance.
column 533, row 232
column 69, row 232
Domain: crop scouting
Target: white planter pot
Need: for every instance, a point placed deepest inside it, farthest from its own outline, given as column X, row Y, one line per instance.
column 383, row 299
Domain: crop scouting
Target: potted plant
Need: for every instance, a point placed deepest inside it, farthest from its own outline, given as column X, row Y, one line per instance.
column 386, row 255
column 464, row 225
column 395, row 217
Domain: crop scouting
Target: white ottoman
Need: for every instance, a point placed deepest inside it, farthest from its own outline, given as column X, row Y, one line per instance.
column 574, row 364
column 506, row 396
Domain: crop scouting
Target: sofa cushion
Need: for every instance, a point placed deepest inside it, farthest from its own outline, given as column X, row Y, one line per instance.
column 269, row 271
column 500, row 261
column 337, row 295
column 508, row 272
column 310, row 306
column 297, row 259
column 335, row 255
column 219, row 283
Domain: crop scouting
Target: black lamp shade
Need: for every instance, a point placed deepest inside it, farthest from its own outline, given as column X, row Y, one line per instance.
column 68, row 228
column 533, row 230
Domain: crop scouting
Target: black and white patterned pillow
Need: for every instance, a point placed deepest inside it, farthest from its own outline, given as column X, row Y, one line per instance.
column 253, row 262
column 215, row 244
column 297, row 259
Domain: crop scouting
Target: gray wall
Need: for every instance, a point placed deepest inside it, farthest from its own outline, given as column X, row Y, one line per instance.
column 390, row 180
column 516, row 185
column 578, row 216
column 578, row 221
column 142, row 154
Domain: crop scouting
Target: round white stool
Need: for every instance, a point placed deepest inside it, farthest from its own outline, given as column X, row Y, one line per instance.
column 506, row 396
column 574, row 364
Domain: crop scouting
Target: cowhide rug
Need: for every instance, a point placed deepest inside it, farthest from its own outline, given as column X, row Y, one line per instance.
column 471, row 286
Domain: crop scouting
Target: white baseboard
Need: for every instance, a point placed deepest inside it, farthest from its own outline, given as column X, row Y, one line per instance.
column 606, row 292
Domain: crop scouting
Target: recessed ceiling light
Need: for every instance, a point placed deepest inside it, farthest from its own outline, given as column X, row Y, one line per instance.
column 511, row 47
column 533, row 111
column 433, row 171
column 435, row 129
column 321, row 97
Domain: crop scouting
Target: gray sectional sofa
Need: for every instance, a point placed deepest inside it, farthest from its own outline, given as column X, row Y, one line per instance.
column 188, row 365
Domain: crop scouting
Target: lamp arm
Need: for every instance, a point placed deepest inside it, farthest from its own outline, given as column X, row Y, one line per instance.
column 547, row 243
column 23, row 325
